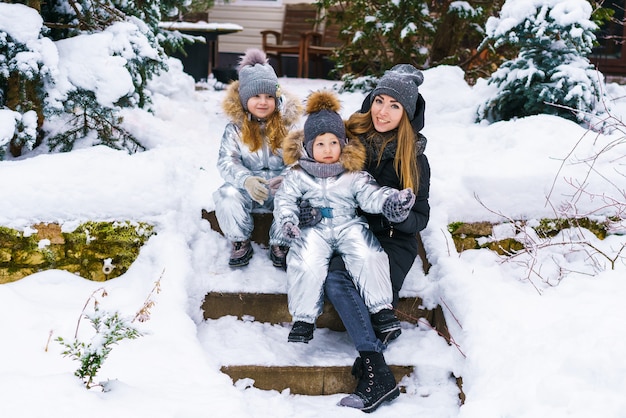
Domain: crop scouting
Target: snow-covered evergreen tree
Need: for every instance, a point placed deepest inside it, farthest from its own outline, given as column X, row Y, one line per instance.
column 24, row 69
column 49, row 103
column 378, row 34
column 551, row 74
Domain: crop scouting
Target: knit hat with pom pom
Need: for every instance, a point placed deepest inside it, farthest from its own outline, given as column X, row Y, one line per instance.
column 256, row 76
column 401, row 83
column 322, row 108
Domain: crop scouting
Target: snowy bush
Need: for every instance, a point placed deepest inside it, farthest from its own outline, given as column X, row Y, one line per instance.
column 110, row 328
column 551, row 74
column 380, row 34
column 69, row 69
column 24, row 69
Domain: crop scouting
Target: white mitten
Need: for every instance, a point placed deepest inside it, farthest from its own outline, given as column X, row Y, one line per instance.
column 256, row 188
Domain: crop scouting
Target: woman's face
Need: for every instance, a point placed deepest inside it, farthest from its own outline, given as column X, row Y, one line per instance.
column 261, row 105
column 386, row 113
column 326, row 149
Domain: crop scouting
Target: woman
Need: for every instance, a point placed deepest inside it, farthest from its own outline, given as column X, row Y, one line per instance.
column 250, row 156
column 388, row 125
column 389, row 129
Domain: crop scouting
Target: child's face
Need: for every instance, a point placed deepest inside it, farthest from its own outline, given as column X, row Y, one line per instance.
column 326, row 148
column 386, row 113
column 261, row 105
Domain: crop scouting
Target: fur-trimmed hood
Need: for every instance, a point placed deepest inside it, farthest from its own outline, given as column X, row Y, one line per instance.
column 291, row 110
column 352, row 155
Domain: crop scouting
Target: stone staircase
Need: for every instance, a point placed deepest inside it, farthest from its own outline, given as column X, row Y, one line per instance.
column 277, row 366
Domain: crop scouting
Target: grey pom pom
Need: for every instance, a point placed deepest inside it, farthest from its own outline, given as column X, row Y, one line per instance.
column 253, row 56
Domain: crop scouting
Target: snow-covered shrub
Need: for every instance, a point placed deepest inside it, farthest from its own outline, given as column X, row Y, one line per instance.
column 110, row 329
column 70, row 68
column 551, row 74
column 99, row 74
column 24, row 69
column 379, row 34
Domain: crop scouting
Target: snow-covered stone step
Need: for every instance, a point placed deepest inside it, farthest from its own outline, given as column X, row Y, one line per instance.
column 304, row 380
column 257, row 354
column 260, row 233
column 246, row 323
column 272, row 308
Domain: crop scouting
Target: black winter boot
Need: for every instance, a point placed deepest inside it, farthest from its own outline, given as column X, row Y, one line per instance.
column 240, row 253
column 278, row 255
column 376, row 383
column 386, row 325
column 301, row 332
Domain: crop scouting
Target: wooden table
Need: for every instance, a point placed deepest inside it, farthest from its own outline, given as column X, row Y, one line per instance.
column 201, row 58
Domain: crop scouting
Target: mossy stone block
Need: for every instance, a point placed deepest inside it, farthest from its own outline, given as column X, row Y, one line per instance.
column 95, row 250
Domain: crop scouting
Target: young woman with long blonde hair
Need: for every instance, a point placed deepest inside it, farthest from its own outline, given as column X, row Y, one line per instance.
column 388, row 125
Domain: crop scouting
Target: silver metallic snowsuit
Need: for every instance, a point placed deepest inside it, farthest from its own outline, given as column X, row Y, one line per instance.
column 342, row 231
column 233, row 204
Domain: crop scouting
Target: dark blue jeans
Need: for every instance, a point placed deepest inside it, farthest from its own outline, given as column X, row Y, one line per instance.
column 342, row 293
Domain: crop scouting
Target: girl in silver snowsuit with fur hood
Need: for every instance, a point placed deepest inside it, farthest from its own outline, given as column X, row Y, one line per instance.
column 337, row 189
column 250, row 156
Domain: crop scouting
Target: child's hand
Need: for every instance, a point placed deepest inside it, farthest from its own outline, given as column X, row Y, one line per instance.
column 274, row 184
column 256, row 188
column 398, row 205
column 309, row 216
column 291, row 231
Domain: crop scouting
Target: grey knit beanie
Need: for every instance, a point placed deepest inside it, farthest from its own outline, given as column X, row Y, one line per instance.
column 322, row 122
column 256, row 76
column 322, row 107
column 401, row 83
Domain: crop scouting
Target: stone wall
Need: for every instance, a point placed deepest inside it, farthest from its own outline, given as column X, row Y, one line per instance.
column 476, row 235
column 95, row 250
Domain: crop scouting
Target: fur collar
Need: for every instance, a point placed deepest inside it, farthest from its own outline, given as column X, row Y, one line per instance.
column 352, row 156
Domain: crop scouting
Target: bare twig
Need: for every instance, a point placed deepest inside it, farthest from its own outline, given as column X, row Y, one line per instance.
column 143, row 314
column 95, row 301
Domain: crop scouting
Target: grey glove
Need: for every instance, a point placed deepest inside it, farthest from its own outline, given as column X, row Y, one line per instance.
column 256, row 188
column 398, row 205
column 290, row 230
column 309, row 216
column 275, row 183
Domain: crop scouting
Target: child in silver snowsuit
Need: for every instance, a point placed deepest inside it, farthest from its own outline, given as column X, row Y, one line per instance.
column 327, row 171
column 250, row 155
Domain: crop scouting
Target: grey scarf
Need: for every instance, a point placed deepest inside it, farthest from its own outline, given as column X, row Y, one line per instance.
column 319, row 169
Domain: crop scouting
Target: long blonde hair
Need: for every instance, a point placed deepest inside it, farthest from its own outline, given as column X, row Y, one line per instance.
column 405, row 160
column 275, row 131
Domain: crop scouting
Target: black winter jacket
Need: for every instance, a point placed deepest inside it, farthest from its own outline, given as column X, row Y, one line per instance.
column 385, row 175
column 399, row 240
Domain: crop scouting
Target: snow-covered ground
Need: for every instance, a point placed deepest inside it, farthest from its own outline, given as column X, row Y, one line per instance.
column 542, row 344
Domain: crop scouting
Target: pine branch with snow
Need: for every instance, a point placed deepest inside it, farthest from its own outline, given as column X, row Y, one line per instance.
column 551, row 74
column 110, row 328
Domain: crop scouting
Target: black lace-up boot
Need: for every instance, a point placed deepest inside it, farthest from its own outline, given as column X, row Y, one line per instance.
column 376, row 383
column 386, row 325
column 301, row 332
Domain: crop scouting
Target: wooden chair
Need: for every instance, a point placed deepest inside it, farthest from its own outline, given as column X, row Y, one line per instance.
column 298, row 19
column 317, row 45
